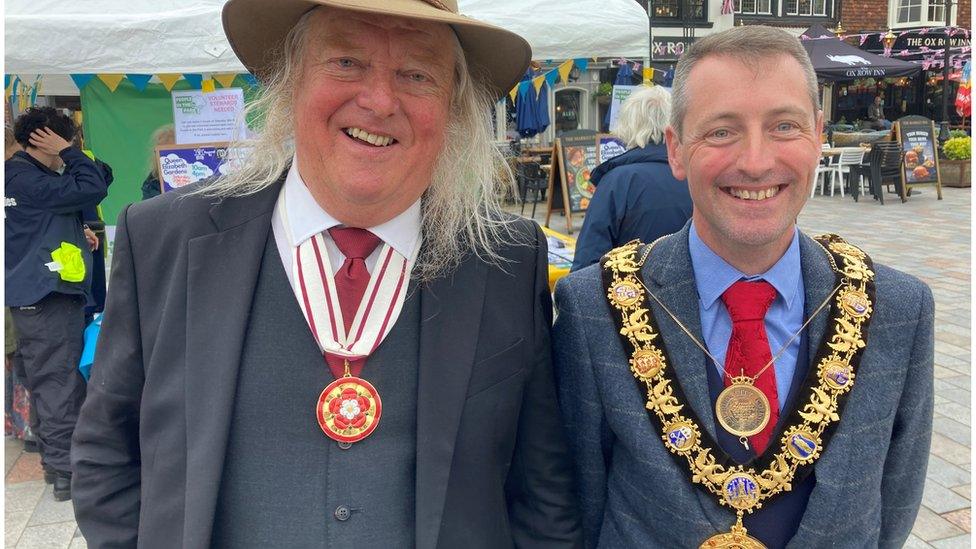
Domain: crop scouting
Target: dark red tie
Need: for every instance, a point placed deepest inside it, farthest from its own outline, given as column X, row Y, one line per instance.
column 351, row 280
column 748, row 351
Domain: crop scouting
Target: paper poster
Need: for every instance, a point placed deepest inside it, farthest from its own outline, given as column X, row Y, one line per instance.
column 208, row 117
column 620, row 93
column 181, row 165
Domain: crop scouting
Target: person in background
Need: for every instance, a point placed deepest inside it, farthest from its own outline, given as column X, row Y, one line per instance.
column 876, row 115
column 48, row 273
column 636, row 195
column 95, row 233
column 164, row 135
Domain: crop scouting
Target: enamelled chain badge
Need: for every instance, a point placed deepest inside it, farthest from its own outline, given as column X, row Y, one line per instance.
column 744, row 488
column 349, row 409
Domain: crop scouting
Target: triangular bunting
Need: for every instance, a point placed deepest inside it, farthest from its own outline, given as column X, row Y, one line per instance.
column 564, row 70
column 226, row 80
column 140, row 81
column 81, row 80
column 195, row 80
column 250, row 80
column 537, row 83
column 551, row 77
column 111, row 80
column 169, row 80
column 582, row 63
column 648, row 74
column 513, row 93
column 208, row 86
column 6, row 81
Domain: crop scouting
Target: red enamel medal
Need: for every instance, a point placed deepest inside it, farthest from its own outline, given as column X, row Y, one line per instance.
column 349, row 409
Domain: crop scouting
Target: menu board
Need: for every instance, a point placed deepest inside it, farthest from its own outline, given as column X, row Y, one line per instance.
column 918, row 139
column 574, row 156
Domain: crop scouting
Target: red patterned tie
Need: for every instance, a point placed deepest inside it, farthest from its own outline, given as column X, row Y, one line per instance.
column 351, row 280
column 748, row 351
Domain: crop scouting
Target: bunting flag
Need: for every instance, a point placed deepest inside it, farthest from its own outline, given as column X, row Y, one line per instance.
column 648, row 74
column 537, row 83
column 111, row 80
column 564, row 70
column 513, row 93
column 582, row 63
column 226, row 80
column 169, row 80
column 207, row 86
column 552, row 77
column 250, row 80
column 195, row 80
column 140, row 81
column 81, row 80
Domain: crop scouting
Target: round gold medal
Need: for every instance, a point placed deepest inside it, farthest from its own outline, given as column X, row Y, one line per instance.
column 742, row 409
column 732, row 540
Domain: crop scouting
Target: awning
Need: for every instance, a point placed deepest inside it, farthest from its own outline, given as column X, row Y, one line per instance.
column 835, row 60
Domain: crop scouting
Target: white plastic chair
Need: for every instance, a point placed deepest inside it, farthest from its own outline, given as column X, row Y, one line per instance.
column 822, row 168
column 849, row 156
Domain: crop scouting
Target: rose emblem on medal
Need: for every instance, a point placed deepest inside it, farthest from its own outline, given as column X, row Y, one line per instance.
column 349, row 409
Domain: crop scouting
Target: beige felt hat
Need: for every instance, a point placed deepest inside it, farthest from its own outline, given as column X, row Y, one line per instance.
column 257, row 28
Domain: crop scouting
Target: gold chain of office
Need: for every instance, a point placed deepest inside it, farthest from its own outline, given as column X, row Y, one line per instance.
column 744, row 489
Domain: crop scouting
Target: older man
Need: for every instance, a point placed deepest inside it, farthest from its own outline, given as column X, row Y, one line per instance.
column 344, row 343
column 783, row 391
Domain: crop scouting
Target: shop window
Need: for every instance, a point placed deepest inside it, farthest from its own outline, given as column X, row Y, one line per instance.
column 567, row 110
column 913, row 13
column 811, row 8
column 753, row 7
column 674, row 10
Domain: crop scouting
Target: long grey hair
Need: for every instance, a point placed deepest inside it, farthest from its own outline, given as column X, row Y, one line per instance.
column 461, row 211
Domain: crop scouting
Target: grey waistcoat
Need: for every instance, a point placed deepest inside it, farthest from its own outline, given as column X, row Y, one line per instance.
column 285, row 484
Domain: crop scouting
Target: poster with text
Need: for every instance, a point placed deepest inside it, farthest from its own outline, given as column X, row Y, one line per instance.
column 918, row 141
column 181, row 165
column 617, row 97
column 208, row 117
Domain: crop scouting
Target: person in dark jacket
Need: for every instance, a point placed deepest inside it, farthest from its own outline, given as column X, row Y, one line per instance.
column 48, row 264
column 636, row 195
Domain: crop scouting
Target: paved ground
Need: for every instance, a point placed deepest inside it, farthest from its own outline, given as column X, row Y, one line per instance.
column 925, row 237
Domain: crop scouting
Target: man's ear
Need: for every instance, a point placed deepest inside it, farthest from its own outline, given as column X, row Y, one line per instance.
column 674, row 154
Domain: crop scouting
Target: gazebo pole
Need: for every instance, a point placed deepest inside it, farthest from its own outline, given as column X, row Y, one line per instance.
column 944, row 125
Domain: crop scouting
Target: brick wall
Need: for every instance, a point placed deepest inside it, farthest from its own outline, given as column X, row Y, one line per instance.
column 872, row 15
column 964, row 14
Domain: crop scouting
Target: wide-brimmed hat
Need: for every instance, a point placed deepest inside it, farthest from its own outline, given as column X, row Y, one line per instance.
column 256, row 29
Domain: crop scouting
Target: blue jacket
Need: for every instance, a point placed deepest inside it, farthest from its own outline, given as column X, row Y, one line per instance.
column 636, row 197
column 43, row 215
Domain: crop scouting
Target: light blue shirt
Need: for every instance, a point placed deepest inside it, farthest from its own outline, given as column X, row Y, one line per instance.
column 713, row 275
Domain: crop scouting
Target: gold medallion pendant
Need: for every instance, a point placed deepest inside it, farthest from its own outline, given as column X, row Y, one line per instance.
column 742, row 409
column 349, row 409
column 737, row 538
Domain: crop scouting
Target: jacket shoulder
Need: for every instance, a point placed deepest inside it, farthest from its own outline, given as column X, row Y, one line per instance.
column 900, row 290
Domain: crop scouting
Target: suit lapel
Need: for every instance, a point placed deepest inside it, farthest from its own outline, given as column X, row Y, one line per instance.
column 222, row 272
column 672, row 281
column 450, row 322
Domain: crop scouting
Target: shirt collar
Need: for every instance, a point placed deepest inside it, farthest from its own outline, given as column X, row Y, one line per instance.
column 785, row 275
column 306, row 218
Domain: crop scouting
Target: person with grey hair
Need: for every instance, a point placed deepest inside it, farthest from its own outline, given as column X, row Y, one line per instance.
column 344, row 342
column 636, row 194
column 739, row 383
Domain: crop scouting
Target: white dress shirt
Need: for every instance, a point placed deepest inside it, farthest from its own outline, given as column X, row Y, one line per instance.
column 305, row 218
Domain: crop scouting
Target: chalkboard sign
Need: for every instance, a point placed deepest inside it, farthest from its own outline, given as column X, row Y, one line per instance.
column 920, row 166
column 575, row 155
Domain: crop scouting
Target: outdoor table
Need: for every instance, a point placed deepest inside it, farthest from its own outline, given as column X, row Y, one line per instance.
column 560, row 259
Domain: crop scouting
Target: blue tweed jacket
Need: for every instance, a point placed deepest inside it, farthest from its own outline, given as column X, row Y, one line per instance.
column 633, row 494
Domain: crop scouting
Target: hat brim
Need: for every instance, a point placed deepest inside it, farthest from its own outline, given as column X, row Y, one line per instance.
column 256, row 30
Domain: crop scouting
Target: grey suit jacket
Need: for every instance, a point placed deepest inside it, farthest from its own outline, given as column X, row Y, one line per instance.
column 493, row 469
column 633, row 494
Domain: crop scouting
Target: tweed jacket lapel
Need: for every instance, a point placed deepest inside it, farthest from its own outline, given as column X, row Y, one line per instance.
column 450, row 323
column 222, row 273
column 669, row 275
